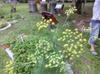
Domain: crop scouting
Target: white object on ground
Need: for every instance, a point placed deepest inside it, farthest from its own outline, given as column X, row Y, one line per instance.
column 10, row 53
column 68, row 69
column 8, row 26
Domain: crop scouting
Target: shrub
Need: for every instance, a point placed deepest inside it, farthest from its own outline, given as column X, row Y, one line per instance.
column 73, row 43
column 35, row 53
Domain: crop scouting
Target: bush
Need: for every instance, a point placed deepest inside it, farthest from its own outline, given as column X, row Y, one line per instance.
column 36, row 53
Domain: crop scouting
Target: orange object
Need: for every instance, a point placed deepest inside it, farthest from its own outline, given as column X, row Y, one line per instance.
column 48, row 16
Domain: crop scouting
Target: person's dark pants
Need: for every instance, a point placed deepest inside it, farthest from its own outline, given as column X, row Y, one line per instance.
column 78, row 6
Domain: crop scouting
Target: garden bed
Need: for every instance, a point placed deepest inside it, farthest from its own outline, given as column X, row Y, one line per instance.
column 83, row 66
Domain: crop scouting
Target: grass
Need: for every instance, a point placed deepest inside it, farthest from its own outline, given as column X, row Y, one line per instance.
column 26, row 25
column 3, row 59
column 87, row 64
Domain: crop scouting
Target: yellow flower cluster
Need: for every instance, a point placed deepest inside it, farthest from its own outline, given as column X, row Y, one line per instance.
column 31, row 58
column 73, row 43
column 54, row 60
column 9, row 67
column 43, row 46
column 70, row 11
column 44, row 23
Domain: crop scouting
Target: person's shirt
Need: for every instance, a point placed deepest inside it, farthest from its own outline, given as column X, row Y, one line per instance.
column 96, row 10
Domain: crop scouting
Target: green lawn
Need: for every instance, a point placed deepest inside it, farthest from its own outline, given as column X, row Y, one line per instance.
column 26, row 25
column 87, row 64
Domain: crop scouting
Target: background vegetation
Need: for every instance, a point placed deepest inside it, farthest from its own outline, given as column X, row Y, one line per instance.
column 85, row 64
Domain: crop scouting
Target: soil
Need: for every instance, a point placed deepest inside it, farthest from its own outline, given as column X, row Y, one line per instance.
column 81, row 21
column 4, row 46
